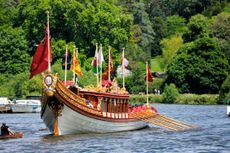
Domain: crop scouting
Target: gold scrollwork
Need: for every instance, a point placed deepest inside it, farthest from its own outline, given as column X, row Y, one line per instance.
column 56, row 107
column 49, row 83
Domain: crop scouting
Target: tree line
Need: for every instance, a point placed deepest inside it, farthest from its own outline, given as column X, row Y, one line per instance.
column 191, row 39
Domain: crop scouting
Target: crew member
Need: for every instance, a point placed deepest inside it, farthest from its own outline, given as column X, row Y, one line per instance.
column 5, row 130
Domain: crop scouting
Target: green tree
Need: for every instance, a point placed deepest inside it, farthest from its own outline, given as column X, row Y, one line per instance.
column 224, row 93
column 135, row 83
column 19, row 86
column 198, row 27
column 147, row 33
column 160, row 29
column 170, row 48
column 221, row 30
column 8, row 11
column 199, row 67
column 215, row 7
column 175, row 25
column 84, row 22
column 170, row 93
column 13, row 50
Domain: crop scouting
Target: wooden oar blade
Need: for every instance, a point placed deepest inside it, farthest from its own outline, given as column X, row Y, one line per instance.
column 163, row 121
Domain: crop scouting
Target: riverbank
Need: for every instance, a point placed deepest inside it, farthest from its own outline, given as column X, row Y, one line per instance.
column 191, row 99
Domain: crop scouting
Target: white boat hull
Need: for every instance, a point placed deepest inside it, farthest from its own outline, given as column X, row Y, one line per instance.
column 72, row 122
column 25, row 109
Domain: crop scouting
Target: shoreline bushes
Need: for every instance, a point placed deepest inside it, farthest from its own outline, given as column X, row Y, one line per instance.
column 190, row 99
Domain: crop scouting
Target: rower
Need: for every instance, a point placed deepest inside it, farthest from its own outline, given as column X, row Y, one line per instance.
column 5, row 130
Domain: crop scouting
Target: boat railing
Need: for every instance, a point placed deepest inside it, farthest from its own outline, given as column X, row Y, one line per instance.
column 115, row 115
column 78, row 102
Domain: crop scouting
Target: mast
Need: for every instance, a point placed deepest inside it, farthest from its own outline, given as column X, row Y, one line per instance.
column 48, row 33
column 147, row 86
column 100, row 56
column 123, row 67
column 74, row 76
column 75, row 82
column 109, row 64
column 66, row 52
column 97, row 63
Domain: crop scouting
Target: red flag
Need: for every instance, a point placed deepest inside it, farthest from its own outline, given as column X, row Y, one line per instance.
column 110, row 62
column 150, row 77
column 40, row 58
column 108, row 67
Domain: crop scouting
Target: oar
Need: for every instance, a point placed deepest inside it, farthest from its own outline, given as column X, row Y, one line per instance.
column 161, row 120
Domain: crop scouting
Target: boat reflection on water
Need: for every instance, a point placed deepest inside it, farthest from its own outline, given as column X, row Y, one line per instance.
column 66, row 138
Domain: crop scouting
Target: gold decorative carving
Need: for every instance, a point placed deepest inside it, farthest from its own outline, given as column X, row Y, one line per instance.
column 113, row 89
column 56, row 107
column 49, row 83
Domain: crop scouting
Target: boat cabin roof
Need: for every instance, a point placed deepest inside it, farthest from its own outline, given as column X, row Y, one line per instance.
column 28, row 102
column 4, row 100
column 104, row 94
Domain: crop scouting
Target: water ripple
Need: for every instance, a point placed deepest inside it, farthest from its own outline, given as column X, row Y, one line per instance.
column 212, row 136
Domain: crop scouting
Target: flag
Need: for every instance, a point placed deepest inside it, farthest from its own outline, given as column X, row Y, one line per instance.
column 95, row 62
column 109, row 67
column 149, row 74
column 75, row 66
column 100, row 56
column 40, row 58
column 64, row 62
column 124, row 61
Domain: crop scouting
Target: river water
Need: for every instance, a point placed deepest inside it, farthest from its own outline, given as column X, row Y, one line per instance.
column 212, row 136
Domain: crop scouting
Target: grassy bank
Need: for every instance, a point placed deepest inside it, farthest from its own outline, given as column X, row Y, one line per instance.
column 191, row 99
column 141, row 99
column 205, row 99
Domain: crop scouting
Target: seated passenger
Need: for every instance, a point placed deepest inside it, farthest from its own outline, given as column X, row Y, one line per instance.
column 89, row 104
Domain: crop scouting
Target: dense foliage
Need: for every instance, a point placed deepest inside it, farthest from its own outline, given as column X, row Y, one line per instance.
column 195, row 99
column 199, row 67
column 84, row 22
column 189, row 38
column 224, row 94
column 170, row 93
column 13, row 56
column 221, row 30
column 191, row 99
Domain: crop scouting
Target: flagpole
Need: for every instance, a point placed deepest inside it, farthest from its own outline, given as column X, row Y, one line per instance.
column 147, row 86
column 48, row 27
column 75, row 67
column 123, row 67
column 74, row 76
column 66, row 63
column 101, row 67
column 97, row 64
column 109, row 64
